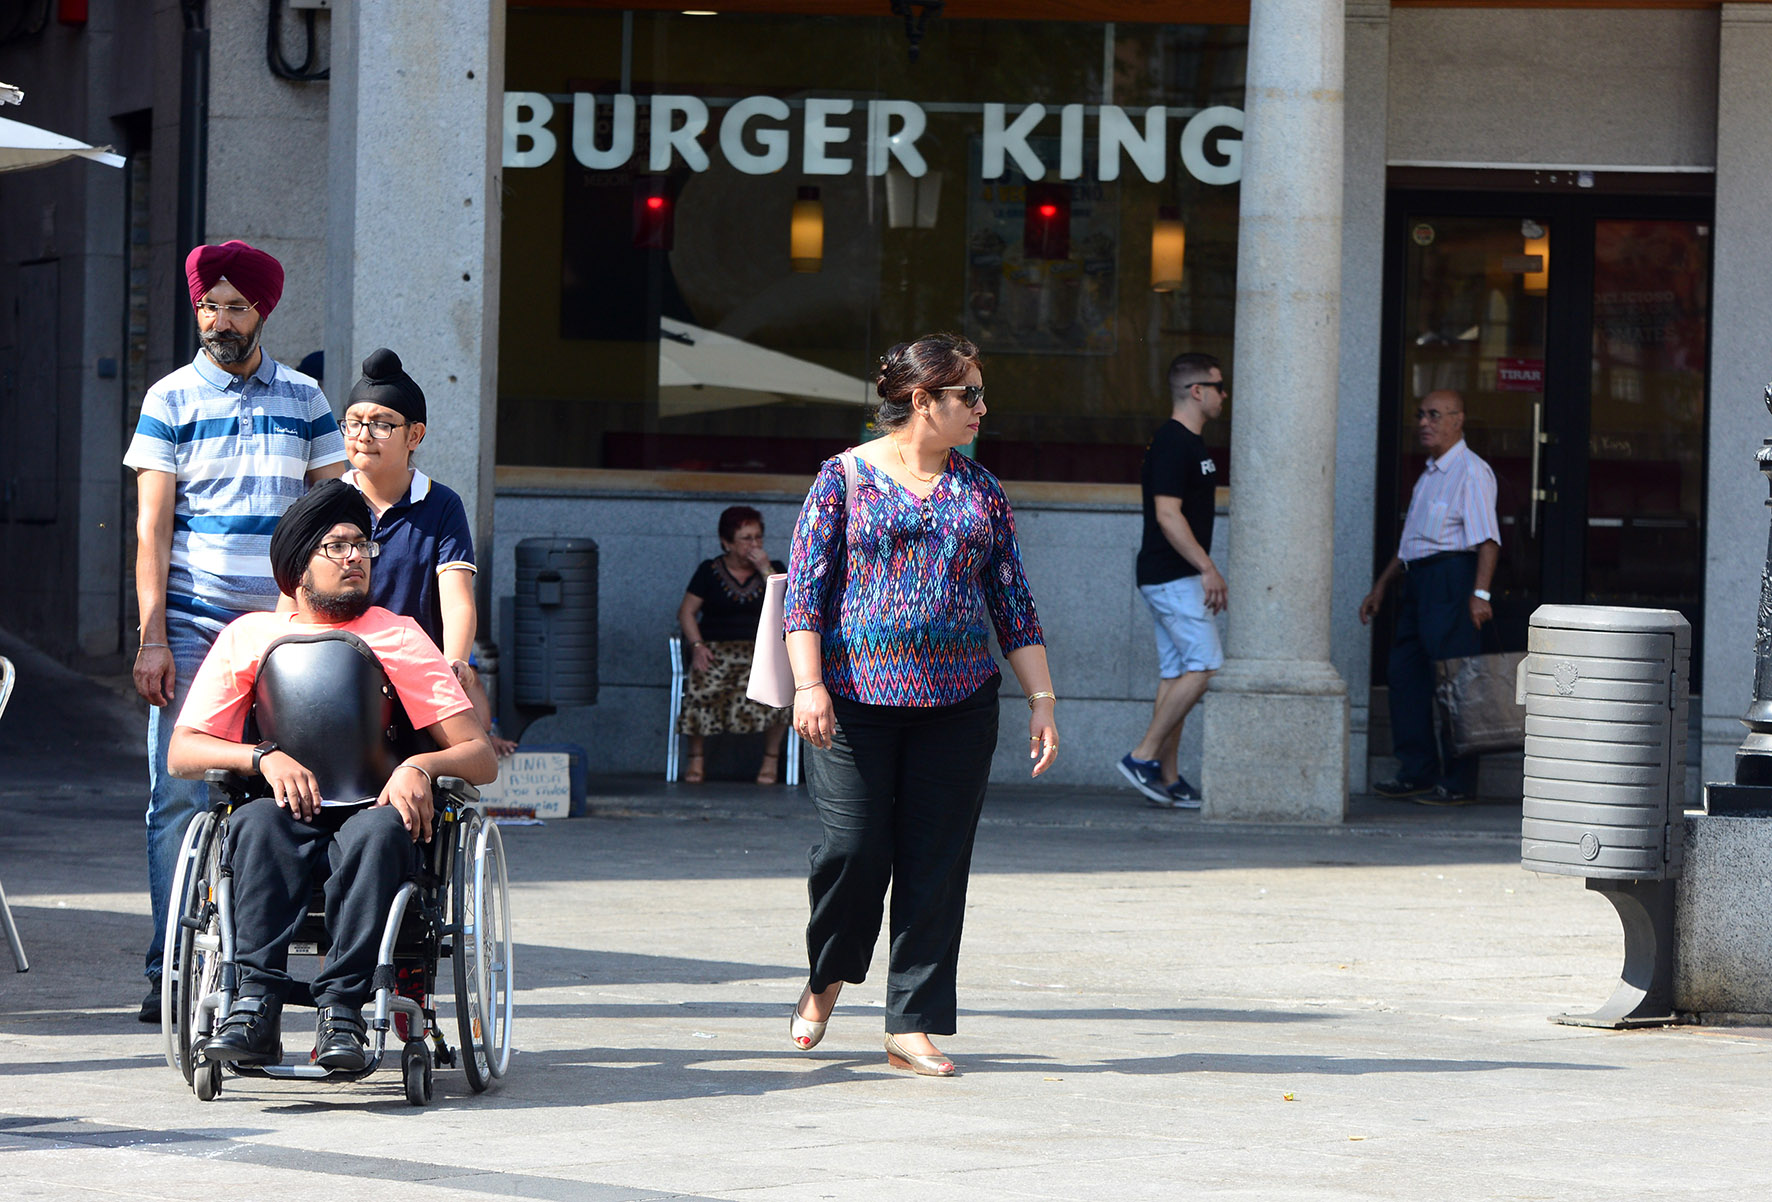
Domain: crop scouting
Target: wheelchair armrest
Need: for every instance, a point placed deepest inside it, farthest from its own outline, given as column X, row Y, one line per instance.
column 457, row 788
column 237, row 788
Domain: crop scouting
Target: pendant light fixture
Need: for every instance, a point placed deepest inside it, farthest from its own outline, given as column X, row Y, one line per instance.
column 1168, row 248
column 806, row 231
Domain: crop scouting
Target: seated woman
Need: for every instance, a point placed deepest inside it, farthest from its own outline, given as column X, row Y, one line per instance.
column 426, row 568
column 719, row 617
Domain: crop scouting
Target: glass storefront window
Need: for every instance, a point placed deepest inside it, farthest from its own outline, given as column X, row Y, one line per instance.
column 714, row 226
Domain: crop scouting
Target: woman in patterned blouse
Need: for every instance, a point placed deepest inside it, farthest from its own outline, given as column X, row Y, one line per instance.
column 888, row 597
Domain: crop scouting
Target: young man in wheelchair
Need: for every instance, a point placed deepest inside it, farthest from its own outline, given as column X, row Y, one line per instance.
column 321, row 557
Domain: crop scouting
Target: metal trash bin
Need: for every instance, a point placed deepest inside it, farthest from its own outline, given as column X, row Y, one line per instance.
column 555, row 623
column 1604, row 785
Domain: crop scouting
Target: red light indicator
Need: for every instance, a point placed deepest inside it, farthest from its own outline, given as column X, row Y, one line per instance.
column 655, row 203
column 1048, row 211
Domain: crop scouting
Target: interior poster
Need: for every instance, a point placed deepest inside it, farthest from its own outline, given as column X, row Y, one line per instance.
column 1034, row 283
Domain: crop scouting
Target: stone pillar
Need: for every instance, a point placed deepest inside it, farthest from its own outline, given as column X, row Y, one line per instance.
column 1276, row 731
column 416, row 117
column 1365, row 122
column 1741, row 364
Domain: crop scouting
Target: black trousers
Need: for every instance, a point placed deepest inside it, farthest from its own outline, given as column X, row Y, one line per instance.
column 899, row 793
column 362, row 853
column 1434, row 622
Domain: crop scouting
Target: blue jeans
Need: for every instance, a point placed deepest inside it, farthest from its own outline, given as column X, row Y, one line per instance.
column 171, row 802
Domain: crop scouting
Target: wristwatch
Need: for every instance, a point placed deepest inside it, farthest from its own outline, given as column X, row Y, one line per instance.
column 1481, row 594
column 260, row 752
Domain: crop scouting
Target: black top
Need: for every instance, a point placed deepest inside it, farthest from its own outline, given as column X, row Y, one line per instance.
column 729, row 610
column 1176, row 464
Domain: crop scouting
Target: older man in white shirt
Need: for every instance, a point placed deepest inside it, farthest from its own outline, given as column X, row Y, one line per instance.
column 1446, row 559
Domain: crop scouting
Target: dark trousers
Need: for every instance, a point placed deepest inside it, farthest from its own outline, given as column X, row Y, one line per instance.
column 899, row 793
column 1434, row 623
column 362, row 853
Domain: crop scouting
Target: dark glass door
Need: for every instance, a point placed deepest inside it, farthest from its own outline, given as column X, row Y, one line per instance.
column 1577, row 329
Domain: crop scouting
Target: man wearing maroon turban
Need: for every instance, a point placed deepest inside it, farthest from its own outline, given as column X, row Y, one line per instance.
column 225, row 444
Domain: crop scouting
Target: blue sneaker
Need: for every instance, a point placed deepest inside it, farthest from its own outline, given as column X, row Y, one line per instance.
column 1147, row 777
column 1183, row 796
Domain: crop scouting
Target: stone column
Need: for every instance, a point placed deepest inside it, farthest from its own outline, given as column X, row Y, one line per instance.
column 1276, row 731
column 416, row 117
column 1741, row 364
column 1365, row 121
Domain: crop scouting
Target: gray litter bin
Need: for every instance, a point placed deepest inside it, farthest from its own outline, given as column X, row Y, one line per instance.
column 1604, row 790
column 555, row 663
column 1605, row 767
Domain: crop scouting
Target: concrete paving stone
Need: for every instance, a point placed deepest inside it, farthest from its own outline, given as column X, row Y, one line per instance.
column 1138, row 994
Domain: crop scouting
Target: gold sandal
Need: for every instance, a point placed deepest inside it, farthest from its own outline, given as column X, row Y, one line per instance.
column 924, row 1066
column 770, row 772
column 694, row 772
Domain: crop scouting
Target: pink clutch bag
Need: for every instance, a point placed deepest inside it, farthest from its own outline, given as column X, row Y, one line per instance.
column 772, row 677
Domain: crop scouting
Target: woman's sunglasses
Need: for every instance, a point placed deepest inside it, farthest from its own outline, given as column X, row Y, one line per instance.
column 971, row 394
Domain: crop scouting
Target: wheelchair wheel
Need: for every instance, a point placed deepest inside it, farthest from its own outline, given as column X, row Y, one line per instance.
column 206, row 1080
column 415, row 1069
column 481, row 915
column 192, row 948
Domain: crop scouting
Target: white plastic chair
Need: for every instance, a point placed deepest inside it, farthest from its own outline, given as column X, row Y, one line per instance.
column 7, row 678
column 790, row 751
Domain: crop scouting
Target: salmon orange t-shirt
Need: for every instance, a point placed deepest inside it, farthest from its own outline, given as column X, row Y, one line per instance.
column 221, row 693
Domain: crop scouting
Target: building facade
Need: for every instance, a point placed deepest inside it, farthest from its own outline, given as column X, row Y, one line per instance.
column 644, row 260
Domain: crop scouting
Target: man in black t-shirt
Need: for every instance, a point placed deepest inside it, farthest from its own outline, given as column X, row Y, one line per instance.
column 1176, row 575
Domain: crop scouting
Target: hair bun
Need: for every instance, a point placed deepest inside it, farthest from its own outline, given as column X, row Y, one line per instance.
column 382, row 364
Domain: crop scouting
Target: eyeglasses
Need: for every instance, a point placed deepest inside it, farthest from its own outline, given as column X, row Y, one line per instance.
column 971, row 394
column 380, row 431
column 1433, row 416
column 212, row 310
column 340, row 550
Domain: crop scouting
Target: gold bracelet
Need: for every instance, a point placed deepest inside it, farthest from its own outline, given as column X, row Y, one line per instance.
column 1033, row 697
column 801, row 688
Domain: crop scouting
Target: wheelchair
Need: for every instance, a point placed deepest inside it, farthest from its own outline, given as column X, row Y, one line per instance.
column 325, row 699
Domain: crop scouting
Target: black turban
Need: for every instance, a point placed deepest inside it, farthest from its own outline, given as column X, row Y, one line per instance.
column 386, row 383
column 305, row 525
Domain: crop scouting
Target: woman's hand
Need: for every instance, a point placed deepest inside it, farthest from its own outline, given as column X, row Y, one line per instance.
column 1042, row 735
column 464, row 672
column 758, row 558
column 700, row 658
column 814, row 718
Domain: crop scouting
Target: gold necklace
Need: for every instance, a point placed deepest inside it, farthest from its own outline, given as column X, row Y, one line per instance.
column 913, row 471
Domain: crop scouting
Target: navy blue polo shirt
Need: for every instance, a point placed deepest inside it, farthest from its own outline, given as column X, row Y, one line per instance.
column 422, row 535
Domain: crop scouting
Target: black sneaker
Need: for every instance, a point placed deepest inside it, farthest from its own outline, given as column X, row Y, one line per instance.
column 341, row 1043
column 1399, row 787
column 150, row 1011
column 1445, row 795
column 252, row 1033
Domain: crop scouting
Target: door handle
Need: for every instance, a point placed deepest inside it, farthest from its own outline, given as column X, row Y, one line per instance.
column 1540, row 439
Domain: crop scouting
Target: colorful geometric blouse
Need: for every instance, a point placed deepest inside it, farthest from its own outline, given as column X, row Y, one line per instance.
column 900, row 596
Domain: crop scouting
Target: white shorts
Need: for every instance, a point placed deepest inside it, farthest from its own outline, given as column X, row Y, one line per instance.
column 1187, row 635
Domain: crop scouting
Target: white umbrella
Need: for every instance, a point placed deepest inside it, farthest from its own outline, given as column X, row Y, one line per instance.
column 700, row 370
column 23, row 146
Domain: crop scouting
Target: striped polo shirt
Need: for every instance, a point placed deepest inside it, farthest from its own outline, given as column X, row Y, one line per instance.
column 1452, row 508
column 241, row 449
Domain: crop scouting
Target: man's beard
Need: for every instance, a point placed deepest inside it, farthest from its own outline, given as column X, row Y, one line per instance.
column 334, row 607
column 228, row 347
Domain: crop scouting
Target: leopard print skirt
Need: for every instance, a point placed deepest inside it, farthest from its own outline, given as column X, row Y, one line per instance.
column 714, row 702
